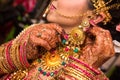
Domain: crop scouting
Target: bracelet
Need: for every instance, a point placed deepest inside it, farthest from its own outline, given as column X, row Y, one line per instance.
column 15, row 56
column 18, row 52
column 7, row 77
column 23, row 57
column 1, row 59
column 19, row 75
column 3, row 63
column 76, row 73
column 83, row 67
column 81, row 70
column 8, row 59
column 86, row 65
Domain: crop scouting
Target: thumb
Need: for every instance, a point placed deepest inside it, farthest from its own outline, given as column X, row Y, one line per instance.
column 93, row 23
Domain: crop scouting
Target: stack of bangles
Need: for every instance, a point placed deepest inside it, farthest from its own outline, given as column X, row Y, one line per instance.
column 80, row 70
column 13, row 57
column 13, row 54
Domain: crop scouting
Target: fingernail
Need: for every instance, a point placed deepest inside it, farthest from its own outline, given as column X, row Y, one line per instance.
column 66, row 36
column 92, row 22
column 62, row 35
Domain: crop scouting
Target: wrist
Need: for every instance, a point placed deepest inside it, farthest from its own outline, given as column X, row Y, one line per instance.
column 31, row 50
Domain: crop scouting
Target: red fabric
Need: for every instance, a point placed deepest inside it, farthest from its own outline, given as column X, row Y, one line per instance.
column 28, row 4
column 118, row 27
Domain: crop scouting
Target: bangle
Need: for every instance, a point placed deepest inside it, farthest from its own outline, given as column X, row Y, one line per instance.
column 8, row 59
column 3, row 62
column 15, row 55
column 23, row 57
column 7, row 77
column 86, row 65
column 18, row 50
column 81, row 70
column 76, row 72
column 83, row 67
column 1, row 59
column 19, row 75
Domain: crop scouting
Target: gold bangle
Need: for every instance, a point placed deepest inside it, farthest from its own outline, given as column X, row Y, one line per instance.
column 79, row 73
column 3, row 64
column 2, row 58
column 15, row 48
column 84, row 68
column 15, row 56
column 3, row 68
column 76, row 73
column 18, row 56
column 19, row 75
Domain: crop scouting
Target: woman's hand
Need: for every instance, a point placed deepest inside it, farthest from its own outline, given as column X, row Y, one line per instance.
column 99, row 48
column 44, row 36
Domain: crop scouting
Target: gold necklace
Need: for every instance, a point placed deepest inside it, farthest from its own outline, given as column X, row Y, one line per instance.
column 53, row 61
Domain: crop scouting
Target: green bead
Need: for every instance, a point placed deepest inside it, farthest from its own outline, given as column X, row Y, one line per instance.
column 44, row 73
column 63, row 41
column 63, row 63
column 52, row 74
column 39, row 60
column 76, row 50
column 39, row 69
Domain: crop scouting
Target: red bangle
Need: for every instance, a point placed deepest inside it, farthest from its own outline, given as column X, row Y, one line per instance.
column 12, row 66
column 84, row 64
column 23, row 57
column 7, row 77
column 20, row 56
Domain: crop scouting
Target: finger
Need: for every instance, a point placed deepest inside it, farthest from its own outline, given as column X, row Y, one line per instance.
column 53, row 42
column 57, row 28
column 109, row 44
column 59, row 38
column 95, row 29
column 92, row 23
column 50, row 35
column 45, row 36
column 54, row 35
column 38, row 41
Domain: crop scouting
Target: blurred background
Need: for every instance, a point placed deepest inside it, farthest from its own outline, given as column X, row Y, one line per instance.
column 15, row 15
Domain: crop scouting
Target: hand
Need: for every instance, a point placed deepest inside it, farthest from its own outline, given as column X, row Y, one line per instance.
column 44, row 36
column 99, row 48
